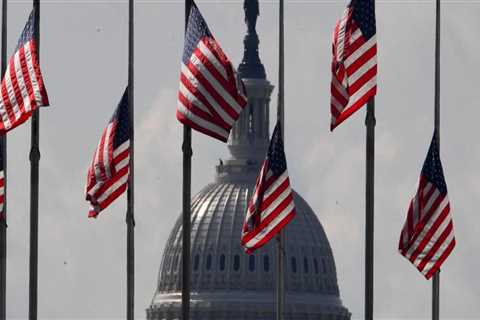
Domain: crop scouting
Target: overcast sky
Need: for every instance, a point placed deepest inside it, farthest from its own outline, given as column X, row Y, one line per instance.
column 84, row 62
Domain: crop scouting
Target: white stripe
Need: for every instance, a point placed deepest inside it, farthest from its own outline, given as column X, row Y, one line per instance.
column 438, row 254
column 362, row 70
column 278, row 181
column 213, row 59
column 214, row 83
column 362, row 91
column 427, row 188
column 11, row 94
column 427, row 227
column 341, row 35
column 106, row 157
column 122, row 164
column 360, row 51
column 355, row 35
column 2, row 190
column 21, row 83
column 430, row 202
column 432, row 241
column 96, row 163
column 213, row 102
column 190, row 97
column 4, row 114
column 340, row 87
column 201, row 122
column 274, row 205
column 120, row 182
column 121, row 148
column 2, row 174
column 270, row 226
column 31, row 72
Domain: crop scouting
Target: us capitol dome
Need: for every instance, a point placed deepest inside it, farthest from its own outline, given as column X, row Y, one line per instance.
column 226, row 283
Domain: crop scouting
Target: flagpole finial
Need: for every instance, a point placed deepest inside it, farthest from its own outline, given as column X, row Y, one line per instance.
column 251, row 66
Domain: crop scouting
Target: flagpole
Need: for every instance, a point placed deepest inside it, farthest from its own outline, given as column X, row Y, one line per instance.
column 436, row 276
column 186, row 223
column 369, row 207
column 130, row 217
column 34, row 187
column 280, row 292
column 3, row 147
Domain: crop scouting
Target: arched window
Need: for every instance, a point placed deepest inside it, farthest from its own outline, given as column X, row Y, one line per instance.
column 209, row 262
column 315, row 265
column 266, row 263
column 324, row 265
column 175, row 263
column 251, row 263
column 222, row 262
column 294, row 265
column 236, row 262
column 305, row 265
column 196, row 262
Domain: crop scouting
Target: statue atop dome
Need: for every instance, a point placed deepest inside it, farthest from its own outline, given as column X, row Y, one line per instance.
column 251, row 13
column 251, row 66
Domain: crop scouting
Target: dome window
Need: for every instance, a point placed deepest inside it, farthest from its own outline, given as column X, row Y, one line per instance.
column 251, row 263
column 236, row 262
column 196, row 262
column 305, row 265
column 315, row 265
column 266, row 263
column 222, row 262
column 209, row 262
column 324, row 266
column 294, row 265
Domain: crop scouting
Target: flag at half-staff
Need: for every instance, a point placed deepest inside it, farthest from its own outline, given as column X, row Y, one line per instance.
column 210, row 97
column 354, row 63
column 271, row 206
column 107, row 176
column 22, row 90
column 427, row 237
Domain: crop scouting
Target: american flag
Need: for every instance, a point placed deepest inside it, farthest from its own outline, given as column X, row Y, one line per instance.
column 210, row 97
column 271, row 206
column 354, row 63
column 427, row 237
column 107, row 176
column 22, row 90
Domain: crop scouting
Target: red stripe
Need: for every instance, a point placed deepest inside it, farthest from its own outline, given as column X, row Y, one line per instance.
column 267, row 220
column 354, row 107
column 367, row 76
column 27, row 80
column 113, row 196
column 270, row 234
column 107, row 184
column 438, row 242
column 208, row 86
column 120, row 157
column 6, row 99
column 430, row 233
column 442, row 258
column 186, row 121
column 16, row 88
column 100, row 163
column 231, row 84
column 38, row 73
column 213, row 116
column 274, row 195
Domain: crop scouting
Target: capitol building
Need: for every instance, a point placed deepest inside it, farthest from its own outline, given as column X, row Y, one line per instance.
column 226, row 283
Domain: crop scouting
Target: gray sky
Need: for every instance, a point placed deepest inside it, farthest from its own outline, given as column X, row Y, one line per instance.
column 83, row 58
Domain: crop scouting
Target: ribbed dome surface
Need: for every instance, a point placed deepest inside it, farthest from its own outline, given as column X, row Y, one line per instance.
column 229, row 284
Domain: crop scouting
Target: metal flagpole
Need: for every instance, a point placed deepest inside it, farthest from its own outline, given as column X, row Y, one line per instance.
column 280, row 293
column 34, row 187
column 436, row 276
column 369, row 208
column 3, row 150
column 186, row 225
column 130, row 217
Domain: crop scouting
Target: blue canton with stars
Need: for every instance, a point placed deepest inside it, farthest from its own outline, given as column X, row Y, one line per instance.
column 363, row 13
column 121, row 116
column 432, row 168
column 28, row 31
column 196, row 29
column 276, row 155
